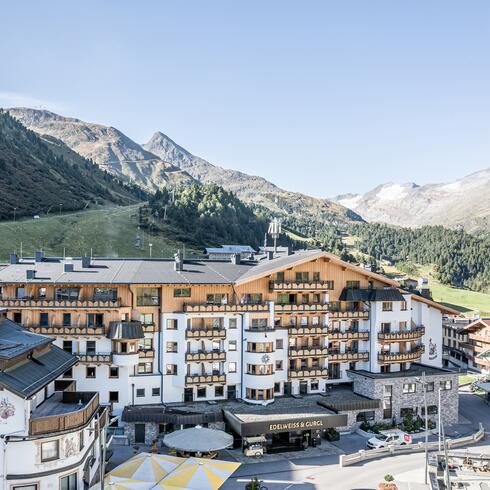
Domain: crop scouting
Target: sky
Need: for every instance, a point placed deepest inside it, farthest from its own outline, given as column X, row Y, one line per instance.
column 322, row 97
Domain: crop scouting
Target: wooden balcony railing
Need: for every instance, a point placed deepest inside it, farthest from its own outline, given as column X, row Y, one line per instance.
column 308, row 351
column 414, row 333
column 306, row 307
column 349, row 315
column 479, row 337
column 228, row 308
column 195, row 379
column 59, row 303
column 348, row 335
column 401, row 356
column 308, row 330
column 202, row 356
column 348, row 356
column 149, row 327
column 67, row 420
column 308, row 372
column 95, row 357
column 146, row 353
column 300, row 286
column 195, row 333
column 71, row 330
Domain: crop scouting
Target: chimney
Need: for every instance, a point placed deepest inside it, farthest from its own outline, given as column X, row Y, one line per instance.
column 178, row 261
column 236, row 259
column 39, row 255
column 68, row 267
column 270, row 254
column 30, row 274
column 14, row 259
column 289, row 251
column 86, row 262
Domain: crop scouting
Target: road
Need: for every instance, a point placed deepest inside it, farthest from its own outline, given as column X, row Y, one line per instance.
column 324, row 472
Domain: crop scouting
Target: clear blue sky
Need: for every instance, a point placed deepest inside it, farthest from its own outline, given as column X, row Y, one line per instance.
column 321, row 97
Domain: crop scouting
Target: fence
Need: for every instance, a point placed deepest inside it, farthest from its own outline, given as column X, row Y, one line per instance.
column 365, row 455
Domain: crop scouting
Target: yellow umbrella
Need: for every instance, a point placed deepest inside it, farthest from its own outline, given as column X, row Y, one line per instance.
column 147, row 467
column 115, row 483
column 199, row 474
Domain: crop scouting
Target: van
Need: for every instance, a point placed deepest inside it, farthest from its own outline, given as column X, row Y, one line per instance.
column 393, row 437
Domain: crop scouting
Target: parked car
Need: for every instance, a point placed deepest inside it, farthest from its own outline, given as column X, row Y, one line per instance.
column 393, row 437
column 254, row 450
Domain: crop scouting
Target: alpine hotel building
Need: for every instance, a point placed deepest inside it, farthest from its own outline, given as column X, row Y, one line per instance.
column 304, row 339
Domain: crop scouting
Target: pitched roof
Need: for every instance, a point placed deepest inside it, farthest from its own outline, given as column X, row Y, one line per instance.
column 31, row 375
column 477, row 324
column 126, row 330
column 14, row 340
column 373, row 294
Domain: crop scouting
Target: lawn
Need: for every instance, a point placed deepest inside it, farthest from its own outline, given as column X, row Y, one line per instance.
column 465, row 379
column 109, row 232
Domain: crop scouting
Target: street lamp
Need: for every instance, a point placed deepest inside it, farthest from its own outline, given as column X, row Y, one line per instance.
column 423, row 382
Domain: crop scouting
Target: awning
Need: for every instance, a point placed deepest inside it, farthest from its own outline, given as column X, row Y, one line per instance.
column 350, row 405
column 161, row 415
column 198, row 439
column 254, row 439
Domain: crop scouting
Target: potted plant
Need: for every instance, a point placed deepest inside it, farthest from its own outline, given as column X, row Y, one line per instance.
column 388, row 483
column 332, row 434
column 253, row 484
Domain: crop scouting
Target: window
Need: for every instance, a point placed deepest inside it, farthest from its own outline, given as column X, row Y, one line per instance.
column 316, row 298
column 182, row 292
column 50, row 451
column 387, row 390
column 171, row 324
column 277, row 387
column 403, row 306
column 42, row 292
column 232, row 345
column 95, row 319
column 409, row 388
column 429, row 386
column 301, row 276
column 431, row 410
column 316, row 277
column 66, row 319
column 279, row 276
column 66, row 294
column 69, row 482
column 148, row 297
column 68, row 346
column 314, row 386
column 279, row 344
column 217, row 299
column 43, row 319
column 219, row 391
column 145, row 367
column 105, row 294
column 140, row 392
column 90, row 372
column 68, row 373
column 385, row 368
column 114, row 396
column 145, row 344
column 408, row 411
column 201, row 393
column 387, row 306
column 279, row 366
column 232, row 323
column 305, row 298
column 33, row 486
column 171, row 346
column 365, row 416
column 113, row 372
column 155, row 392
column 446, row 385
column 146, row 318
column 171, row 369
column 252, row 299
column 90, row 346
column 353, row 284
column 232, row 367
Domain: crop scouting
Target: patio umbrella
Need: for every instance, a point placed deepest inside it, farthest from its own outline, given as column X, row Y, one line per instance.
column 198, row 439
column 115, row 483
column 199, row 474
column 147, row 467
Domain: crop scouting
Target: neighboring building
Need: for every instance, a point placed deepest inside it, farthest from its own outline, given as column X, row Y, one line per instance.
column 457, row 351
column 48, row 431
column 478, row 333
column 226, row 252
column 174, row 332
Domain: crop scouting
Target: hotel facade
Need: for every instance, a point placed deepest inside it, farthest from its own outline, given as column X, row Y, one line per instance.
column 155, row 338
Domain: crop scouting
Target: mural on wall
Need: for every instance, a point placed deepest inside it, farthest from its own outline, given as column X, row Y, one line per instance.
column 432, row 350
column 7, row 410
column 70, row 447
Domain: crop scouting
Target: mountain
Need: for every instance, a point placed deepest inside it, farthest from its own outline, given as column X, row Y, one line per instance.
column 461, row 203
column 161, row 161
column 107, row 146
column 249, row 188
column 39, row 175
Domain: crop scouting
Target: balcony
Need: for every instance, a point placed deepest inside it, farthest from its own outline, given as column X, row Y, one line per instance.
column 300, row 286
column 308, row 351
column 260, row 328
column 348, row 356
column 95, row 357
column 146, row 353
column 478, row 337
column 149, row 327
column 70, row 330
column 401, row 356
column 308, row 330
column 126, row 359
column 308, row 372
column 63, row 411
column 413, row 334
column 348, row 335
column 349, row 315
column 59, row 303
column 203, row 332
column 228, row 308
column 197, row 379
column 202, row 356
column 300, row 307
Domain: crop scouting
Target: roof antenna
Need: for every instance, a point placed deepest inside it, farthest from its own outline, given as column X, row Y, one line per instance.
column 91, row 253
column 64, row 253
column 21, row 250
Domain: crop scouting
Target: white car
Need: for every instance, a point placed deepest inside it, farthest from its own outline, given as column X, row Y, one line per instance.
column 387, row 438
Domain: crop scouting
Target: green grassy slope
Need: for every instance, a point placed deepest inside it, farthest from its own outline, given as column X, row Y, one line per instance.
column 109, row 232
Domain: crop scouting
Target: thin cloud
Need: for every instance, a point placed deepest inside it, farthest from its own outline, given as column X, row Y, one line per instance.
column 14, row 99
